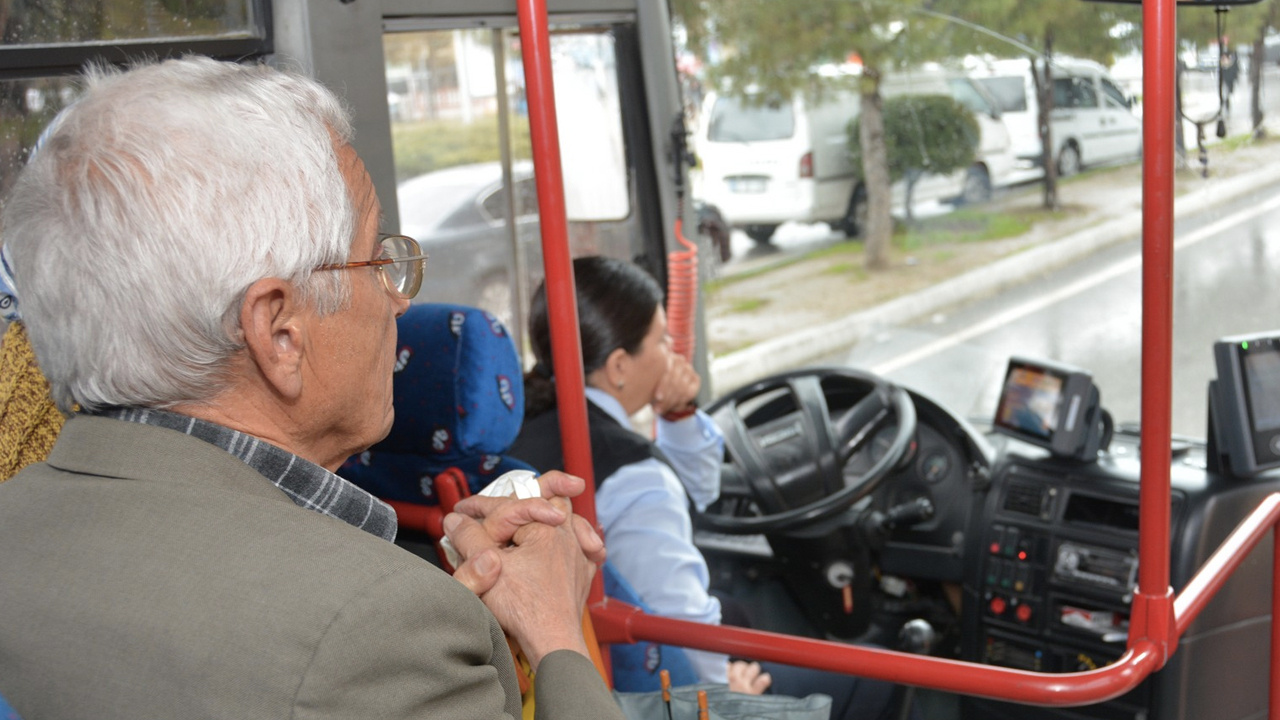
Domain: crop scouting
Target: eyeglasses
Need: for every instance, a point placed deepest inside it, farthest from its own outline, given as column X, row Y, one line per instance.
column 401, row 264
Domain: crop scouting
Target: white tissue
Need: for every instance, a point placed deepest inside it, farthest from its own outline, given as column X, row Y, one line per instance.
column 518, row 484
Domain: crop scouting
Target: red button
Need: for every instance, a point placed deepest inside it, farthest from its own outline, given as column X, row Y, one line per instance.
column 1023, row 612
column 997, row 606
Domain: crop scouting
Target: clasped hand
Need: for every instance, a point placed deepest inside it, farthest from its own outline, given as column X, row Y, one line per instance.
column 530, row 561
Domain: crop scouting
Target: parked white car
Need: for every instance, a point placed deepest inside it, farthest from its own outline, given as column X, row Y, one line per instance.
column 1092, row 122
column 766, row 163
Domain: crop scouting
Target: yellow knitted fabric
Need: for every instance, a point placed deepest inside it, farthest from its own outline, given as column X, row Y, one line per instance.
column 29, row 421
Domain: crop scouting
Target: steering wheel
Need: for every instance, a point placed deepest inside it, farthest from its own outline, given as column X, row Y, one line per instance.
column 788, row 438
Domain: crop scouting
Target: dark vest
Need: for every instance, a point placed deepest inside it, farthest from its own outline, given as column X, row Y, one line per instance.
column 612, row 445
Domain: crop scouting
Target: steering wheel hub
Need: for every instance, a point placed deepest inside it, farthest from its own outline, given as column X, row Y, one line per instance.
column 788, row 438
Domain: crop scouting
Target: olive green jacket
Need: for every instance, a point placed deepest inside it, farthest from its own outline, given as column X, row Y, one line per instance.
column 147, row 574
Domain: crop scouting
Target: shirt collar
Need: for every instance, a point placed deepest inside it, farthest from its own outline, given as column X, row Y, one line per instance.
column 609, row 404
column 307, row 484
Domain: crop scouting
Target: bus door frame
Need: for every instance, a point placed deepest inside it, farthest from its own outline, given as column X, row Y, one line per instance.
column 1157, row 620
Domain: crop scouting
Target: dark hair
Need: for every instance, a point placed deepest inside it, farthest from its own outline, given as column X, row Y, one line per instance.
column 616, row 305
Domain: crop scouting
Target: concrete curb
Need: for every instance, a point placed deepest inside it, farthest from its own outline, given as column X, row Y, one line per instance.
column 810, row 344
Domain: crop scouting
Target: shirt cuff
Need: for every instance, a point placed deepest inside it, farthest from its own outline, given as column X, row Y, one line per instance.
column 691, row 430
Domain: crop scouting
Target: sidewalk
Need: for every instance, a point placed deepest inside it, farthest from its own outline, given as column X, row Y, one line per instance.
column 778, row 313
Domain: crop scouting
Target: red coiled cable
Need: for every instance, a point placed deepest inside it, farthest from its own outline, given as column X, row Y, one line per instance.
column 682, row 294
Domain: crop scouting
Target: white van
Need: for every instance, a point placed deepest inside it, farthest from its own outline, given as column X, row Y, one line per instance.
column 1092, row 122
column 764, row 164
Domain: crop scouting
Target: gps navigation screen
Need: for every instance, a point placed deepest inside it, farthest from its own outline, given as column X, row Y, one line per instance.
column 1029, row 401
column 1262, row 379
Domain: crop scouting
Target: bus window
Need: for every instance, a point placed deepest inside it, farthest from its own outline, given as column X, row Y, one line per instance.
column 449, row 94
column 45, row 23
column 26, row 106
column 46, row 44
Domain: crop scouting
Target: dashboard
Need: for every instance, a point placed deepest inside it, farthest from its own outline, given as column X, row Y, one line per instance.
column 1043, row 551
column 1052, row 567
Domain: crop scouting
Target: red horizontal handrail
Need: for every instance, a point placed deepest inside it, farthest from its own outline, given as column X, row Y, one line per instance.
column 1224, row 561
column 617, row 622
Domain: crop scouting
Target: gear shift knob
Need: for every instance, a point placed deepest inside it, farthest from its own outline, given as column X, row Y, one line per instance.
column 917, row 636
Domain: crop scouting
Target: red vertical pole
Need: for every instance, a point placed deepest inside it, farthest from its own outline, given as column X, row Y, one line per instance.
column 562, row 307
column 1153, row 606
column 1273, row 703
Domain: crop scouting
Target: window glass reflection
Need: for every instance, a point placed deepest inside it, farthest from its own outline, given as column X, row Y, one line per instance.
column 26, row 107
column 447, row 92
column 74, row 21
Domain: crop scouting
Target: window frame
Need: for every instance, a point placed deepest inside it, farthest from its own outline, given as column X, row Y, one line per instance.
column 21, row 62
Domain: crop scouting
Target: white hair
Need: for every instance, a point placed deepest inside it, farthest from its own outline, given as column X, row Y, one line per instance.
column 162, row 195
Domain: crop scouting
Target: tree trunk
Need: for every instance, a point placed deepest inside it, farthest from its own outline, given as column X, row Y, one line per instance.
column 1044, row 94
column 875, row 168
column 1179, row 128
column 908, row 194
column 1256, row 60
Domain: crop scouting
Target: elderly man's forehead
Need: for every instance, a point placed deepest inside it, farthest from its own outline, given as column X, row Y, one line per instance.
column 359, row 184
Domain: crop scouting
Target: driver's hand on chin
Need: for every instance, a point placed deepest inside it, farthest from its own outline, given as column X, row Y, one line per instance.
column 747, row 677
column 678, row 389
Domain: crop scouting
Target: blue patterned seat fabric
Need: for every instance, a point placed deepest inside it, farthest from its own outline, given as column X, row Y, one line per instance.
column 459, row 400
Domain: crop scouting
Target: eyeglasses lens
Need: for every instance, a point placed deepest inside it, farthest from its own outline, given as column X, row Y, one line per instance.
column 405, row 277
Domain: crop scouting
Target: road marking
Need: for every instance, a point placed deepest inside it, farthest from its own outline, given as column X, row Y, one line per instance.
column 1075, row 288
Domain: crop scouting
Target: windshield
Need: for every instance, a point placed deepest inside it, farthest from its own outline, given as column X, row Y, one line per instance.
column 1013, row 239
column 734, row 120
column 1008, row 91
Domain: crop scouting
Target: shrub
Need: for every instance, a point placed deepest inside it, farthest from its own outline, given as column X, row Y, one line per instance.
column 923, row 134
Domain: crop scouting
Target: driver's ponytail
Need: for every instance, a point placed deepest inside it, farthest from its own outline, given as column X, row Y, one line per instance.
column 616, row 305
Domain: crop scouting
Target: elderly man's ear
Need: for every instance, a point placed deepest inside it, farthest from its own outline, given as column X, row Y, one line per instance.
column 274, row 329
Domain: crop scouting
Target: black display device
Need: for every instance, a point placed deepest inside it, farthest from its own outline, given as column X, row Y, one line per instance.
column 1051, row 405
column 1244, row 402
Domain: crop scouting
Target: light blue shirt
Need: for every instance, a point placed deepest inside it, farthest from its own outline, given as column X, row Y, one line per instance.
column 645, row 515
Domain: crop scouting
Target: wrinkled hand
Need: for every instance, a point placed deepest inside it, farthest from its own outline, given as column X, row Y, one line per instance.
column 519, row 551
column 747, row 677
column 540, row 580
column 500, row 518
column 678, row 388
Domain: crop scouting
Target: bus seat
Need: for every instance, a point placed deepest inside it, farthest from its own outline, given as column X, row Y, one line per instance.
column 459, row 401
column 637, row 667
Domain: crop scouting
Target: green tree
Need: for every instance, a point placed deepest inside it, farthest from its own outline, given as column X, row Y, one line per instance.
column 923, row 134
column 777, row 47
column 1266, row 19
column 1039, row 29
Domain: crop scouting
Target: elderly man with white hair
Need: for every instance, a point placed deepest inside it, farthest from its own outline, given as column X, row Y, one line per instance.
column 197, row 252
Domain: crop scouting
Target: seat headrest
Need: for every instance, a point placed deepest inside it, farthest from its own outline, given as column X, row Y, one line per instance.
column 459, row 402
column 458, row 384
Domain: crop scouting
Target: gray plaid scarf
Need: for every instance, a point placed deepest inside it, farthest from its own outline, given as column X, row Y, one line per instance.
column 307, row 484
